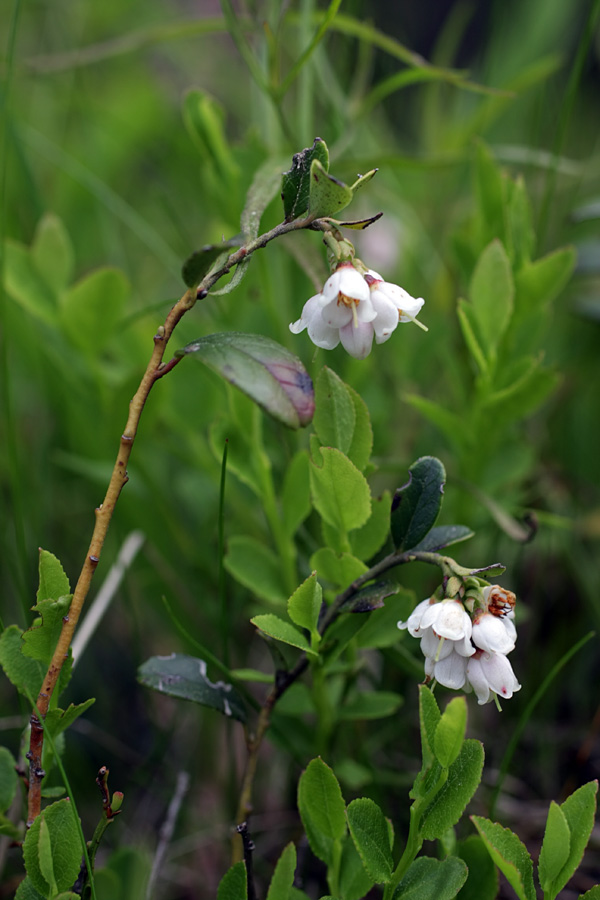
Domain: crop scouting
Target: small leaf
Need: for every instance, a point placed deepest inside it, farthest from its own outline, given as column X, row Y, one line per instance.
column 468, row 325
column 52, row 252
column 283, row 876
column 234, row 884
column 264, row 370
column 184, row 676
column 53, row 582
column 341, row 569
column 59, row 843
column 432, row 879
column 58, row 720
column 257, row 567
column 320, row 801
column 555, row 847
column 304, row 605
column 204, row 118
column 200, row 262
column 8, row 778
column 335, row 416
column 443, row 536
column 327, row 195
column 339, row 491
column 91, row 310
column 450, row 732
column 295, row 185
column 416, row 505
column 449, row 803
column 40, row 640
column 592, row 894
column 26, row 285
column 579, row 810
column 369, row 832
column 355, row 882
column 539, row 282
column 370, row 597
column 26, row 891
column 370, row 705
column 509, row 854
column 265, row 185
column 380, row 629
column 282, row 631
column 491, row 293
column 429, row 717
column 360, row 224
column 362, row 180
column 26, row 674
column 361, row 446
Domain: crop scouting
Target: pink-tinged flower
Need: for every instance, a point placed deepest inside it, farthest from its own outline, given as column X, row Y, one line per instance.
column 354, row 308
column 491, row 672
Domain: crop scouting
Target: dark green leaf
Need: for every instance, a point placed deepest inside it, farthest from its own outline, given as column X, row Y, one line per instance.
column 199, row 263
column 185, row 676
column 57, row 720
column 579, row 812
column 40, row 640
column 281, row 630
column 327, row 195
column 8, row 778
column 53, row 583
column 443, row 536
column 295, row 497
column 429, row 717
column 340, row 492
column 449, row 803
column 355, row 882
column 26, row 891
column 369, row 832
column 52, row 846
column 320, row 800
column 264, row 370
column 509, row 854
column 367, row 540
column 341, row 569
column 555, row 847
column 370, row 597
column 416, row 505
column 482, row 883
column 432, row 879
column 295, row 186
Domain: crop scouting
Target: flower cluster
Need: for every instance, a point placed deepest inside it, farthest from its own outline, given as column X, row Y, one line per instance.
column 468, row 650
column 353, row 308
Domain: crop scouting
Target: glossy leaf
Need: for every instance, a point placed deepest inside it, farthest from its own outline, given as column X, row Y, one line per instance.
column 264, row 370
column 449, row 803
column 281, row 630
column 450, row 732
column 327, row 195
column 416, row 505
column 509, row 854
column 52, row 848
column 295, row 187
column 179, row 675
column 444, row 536
column 432, row 879
column 369, row 832
column 335, row 416
column 339, row 491
column 283, row 876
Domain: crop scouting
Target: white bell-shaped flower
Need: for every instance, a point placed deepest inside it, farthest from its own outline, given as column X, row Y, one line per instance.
column 488, row 672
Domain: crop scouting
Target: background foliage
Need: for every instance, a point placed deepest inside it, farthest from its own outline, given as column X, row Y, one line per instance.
column 130, row 137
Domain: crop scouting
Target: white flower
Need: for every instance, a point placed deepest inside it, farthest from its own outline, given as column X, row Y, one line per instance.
column 353, row 308
column 494, row 634
column 491, row 672
column 413, row 622
column 451, row 671
column 449, row 619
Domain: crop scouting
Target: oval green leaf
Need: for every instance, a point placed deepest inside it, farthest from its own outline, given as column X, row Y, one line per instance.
column 416, row 505
column 370, row 834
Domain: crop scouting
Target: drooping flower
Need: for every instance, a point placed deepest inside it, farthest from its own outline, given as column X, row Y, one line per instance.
column 354, row 308
column 488, row 672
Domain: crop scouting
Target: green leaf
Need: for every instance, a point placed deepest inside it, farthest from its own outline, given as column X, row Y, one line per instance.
column 26, row 891
column 256, row 567
column 340, row 569
column 26, row 285
column 416, row 505
column 451, row 425
column 340, row 492
column 265, row 186
column 304, row 605
column 327, row 195
column 592, row 894
column 52, row 847
column 295, row 187
column 482, row 883
column 370, row 597
column 58, row 720
column 367, row 540
column 361, row 446
column 91, row 310
column 523, row 396
column 320, row 801
column 432, row 879
column 362, row 180
column 467, row 321
column 295, row 494
column 24, row 673
column 443, row 536
column 355, row 882
column 204, row 118
column 449, row 803
column 40, row 640
column 52, row 252
column 370, row 705
column 53, row 583
column 200, row 262
column 8, row 778
column 429, row 717
column 509, row 854
column 282, row 631
column 520, row 228
column 234, row 884
column 335, row 415
column 380, row 630
column 579, row 811
column 555, row 847
column 264, row 370
column 539, row 282
column 184, row 676
column 369, row 832
column 489, row 185
column 283, row 876
column 491, row 292
column 450, row 732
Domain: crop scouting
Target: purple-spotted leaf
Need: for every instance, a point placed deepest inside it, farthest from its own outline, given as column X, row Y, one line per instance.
column 509, row 854
column 264, row 370
column 185, row 676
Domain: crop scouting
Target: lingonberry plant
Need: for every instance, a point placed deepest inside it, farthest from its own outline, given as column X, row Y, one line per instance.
column 322, row 624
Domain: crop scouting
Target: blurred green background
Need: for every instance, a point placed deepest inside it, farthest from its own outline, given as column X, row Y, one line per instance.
column 102, row 179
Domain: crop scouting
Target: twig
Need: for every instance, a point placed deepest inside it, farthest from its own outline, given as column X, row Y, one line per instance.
column 248, row 845
column 168, row 827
